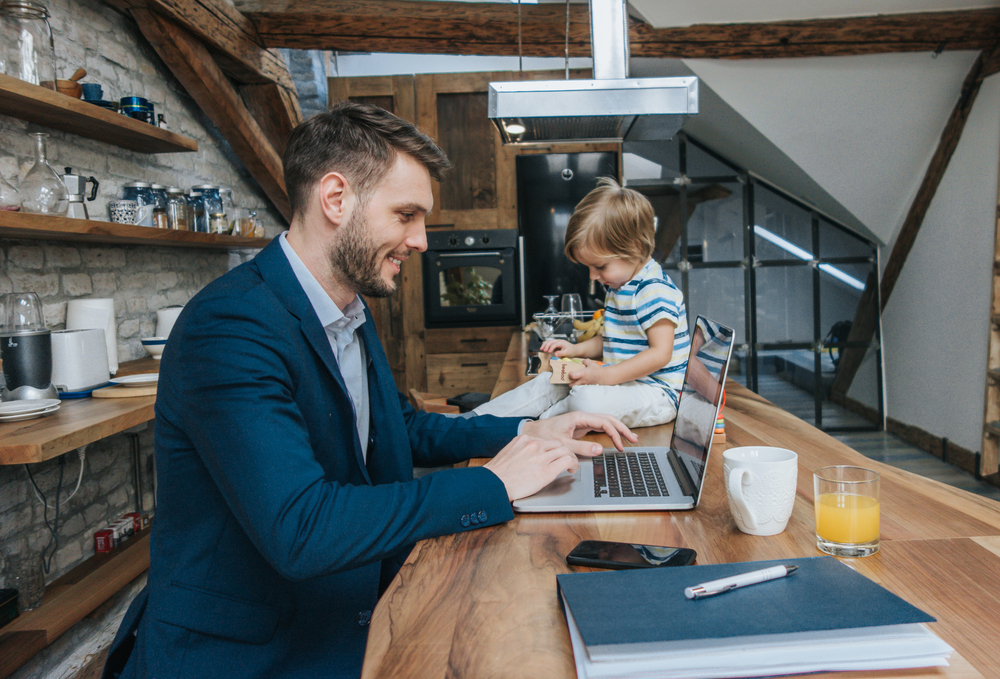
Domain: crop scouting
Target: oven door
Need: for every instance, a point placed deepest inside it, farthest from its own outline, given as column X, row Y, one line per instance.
column 470, row 288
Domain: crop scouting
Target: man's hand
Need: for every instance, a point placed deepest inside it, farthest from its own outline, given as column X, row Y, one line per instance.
column 526, row 465
column 571, row 426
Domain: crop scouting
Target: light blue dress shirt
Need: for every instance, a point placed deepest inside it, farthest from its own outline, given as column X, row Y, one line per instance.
column 341, row 329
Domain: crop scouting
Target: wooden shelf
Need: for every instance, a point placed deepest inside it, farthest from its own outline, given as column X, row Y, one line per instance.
column 71, row 598
column 77, row 422
column 61, row 112
column 44, row 227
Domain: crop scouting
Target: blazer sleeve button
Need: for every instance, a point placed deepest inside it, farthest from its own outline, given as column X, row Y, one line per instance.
column 465, row 520
column 364, row 617
column 482, row 516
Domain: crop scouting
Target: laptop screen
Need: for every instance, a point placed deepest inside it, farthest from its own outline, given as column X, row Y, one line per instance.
column 698, row 407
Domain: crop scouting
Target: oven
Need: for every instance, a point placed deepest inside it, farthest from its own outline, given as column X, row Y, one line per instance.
column 471, row 278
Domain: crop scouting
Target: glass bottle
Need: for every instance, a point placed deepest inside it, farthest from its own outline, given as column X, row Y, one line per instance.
column 10, row 199
column 26, row 48
column 176, row 209
column 42, row 190
column 228, row 209
column 215, row 217
column 159, row 206
column 142, row 194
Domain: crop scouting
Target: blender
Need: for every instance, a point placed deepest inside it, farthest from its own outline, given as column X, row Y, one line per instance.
column 76, row 187
column 25, row 349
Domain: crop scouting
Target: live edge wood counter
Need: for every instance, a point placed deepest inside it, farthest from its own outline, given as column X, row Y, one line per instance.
column 483, row 603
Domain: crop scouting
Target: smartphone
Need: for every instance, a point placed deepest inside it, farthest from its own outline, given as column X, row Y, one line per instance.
column 619, row 555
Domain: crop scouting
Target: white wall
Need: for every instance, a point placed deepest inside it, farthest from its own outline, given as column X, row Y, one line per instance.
column 936, row 324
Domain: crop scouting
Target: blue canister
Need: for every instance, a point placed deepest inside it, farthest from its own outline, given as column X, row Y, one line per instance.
column 141, row 193
column 138, row 108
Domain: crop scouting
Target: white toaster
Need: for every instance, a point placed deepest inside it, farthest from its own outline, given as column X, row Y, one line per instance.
column 79, row 359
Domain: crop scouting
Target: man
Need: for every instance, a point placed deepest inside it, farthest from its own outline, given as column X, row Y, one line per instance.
column 286, row 500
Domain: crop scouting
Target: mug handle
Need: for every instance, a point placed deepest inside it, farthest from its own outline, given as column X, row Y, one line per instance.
column 141, row 212
column 736, row 492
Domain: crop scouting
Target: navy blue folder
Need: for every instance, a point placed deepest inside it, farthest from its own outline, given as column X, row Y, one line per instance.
column 649, row 606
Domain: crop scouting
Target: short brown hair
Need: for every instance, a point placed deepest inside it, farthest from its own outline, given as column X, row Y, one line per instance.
column 612, row 220
column 358, row 140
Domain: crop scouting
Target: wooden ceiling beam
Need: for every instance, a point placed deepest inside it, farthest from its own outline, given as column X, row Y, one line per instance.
column 197, row 71
column 401, row 26
column 230, row 36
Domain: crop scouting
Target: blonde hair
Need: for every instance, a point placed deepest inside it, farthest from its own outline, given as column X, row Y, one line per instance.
column 612, row 220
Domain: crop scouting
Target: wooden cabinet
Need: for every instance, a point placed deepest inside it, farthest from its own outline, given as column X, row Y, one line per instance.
column 479, row 192
column 465, row 359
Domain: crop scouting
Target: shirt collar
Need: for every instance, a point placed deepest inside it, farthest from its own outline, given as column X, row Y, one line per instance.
column 329, row 314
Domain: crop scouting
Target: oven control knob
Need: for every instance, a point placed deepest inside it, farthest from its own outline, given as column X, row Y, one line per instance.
column 470, row 241
column 452, row 241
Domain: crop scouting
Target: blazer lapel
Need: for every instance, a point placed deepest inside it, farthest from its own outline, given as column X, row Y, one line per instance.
column 277, row 273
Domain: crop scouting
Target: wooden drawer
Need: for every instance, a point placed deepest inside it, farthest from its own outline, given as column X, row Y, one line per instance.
column 463, row 340
column 453, row 374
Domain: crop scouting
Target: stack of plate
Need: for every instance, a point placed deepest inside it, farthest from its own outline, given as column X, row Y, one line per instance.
column 15, row 411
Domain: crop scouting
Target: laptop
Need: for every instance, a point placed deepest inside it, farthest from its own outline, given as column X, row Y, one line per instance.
column 653, row 477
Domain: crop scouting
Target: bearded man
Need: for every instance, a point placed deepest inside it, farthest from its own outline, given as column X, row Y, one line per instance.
column 286, row 500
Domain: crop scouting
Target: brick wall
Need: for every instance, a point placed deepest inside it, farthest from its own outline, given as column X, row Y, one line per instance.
column 141, row 279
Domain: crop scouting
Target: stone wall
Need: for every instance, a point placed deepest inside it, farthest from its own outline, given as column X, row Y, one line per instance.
column 140, row 278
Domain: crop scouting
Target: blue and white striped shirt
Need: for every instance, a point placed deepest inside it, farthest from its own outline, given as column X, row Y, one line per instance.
column 634, row 307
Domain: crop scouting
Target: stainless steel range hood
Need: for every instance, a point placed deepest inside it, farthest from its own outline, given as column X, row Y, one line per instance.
column 611, row 107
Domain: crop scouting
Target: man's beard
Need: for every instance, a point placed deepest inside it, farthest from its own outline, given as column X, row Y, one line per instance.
column 356, row 258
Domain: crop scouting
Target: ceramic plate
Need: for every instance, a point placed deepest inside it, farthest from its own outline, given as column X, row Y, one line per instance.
column 142, row 380
column 27, row 406
column 28, row 416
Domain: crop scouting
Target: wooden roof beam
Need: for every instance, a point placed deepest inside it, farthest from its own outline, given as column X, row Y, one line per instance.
column 401, row 26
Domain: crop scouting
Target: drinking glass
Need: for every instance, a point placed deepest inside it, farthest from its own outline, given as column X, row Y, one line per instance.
column 572, row 304
column 28, row 578
column 847, row 510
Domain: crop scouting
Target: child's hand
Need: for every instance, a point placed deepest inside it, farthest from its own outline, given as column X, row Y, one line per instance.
column 590, row 372
column 558, row 348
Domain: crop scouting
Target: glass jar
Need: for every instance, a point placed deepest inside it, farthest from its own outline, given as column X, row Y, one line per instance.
column 176, row 209
column 228, row 208
column 159, row 206
column 10, row 198
column 42, row 190
column 26, row 48
column 142, row 194
column 216, row 218
column 198, row 221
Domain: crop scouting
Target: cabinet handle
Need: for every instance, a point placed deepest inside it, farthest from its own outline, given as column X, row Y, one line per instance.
column 474, row 365
column 474, row 339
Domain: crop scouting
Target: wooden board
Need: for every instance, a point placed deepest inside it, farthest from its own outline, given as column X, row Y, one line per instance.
column 118, row 391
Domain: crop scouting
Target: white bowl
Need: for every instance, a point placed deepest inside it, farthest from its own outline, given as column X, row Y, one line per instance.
column 154, row 345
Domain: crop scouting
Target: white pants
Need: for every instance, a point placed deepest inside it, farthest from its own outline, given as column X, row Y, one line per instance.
column 635, row 404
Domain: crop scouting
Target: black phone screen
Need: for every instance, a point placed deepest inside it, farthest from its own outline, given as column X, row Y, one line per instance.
column 602, row 554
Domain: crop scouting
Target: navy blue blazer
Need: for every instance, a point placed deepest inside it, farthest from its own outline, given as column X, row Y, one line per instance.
column 271, row 534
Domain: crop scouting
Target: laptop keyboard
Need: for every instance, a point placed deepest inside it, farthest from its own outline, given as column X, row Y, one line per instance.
column 632, row 473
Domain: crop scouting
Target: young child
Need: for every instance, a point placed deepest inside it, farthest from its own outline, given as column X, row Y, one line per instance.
column 645, row 341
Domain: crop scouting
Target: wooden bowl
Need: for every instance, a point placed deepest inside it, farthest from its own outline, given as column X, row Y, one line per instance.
column 70, row 88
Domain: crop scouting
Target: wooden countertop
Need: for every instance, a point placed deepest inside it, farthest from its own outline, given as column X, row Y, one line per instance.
column 77, row 422
column 483, row 603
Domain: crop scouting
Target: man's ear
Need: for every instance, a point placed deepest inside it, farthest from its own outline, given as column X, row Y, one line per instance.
column 336, row 197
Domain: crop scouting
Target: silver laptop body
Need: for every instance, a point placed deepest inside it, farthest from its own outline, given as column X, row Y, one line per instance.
column 654, row 477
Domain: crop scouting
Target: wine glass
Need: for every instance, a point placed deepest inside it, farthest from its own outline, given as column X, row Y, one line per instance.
column 572, row 304
column 551, row 309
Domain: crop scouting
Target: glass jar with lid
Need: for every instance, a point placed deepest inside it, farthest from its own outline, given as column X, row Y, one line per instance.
column 142, row 194
column 228, row 208
column 159, row 205
column 199, row 221
column 42, row 190
column 26, row 48
column 216, row 218
column 176, row 209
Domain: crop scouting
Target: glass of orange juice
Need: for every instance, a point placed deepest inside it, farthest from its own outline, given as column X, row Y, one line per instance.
column 847, row 510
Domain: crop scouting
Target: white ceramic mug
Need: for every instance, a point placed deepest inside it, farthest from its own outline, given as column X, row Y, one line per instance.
column 760, row 483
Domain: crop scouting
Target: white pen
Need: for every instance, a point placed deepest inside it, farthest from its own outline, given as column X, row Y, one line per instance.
column 742, row 580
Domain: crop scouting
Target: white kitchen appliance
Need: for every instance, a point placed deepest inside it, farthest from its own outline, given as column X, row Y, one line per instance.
column 79, row 359
column 165, row 318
